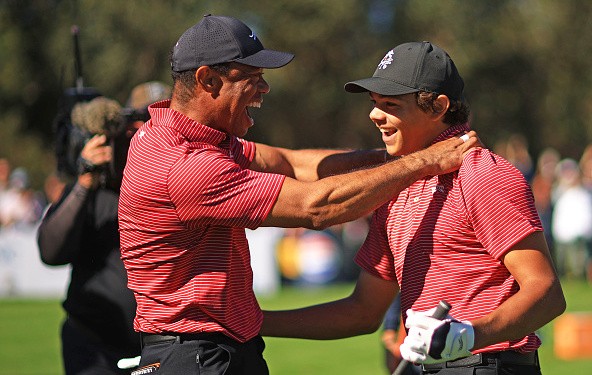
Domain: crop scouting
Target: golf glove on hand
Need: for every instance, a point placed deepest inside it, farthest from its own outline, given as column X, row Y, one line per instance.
column 430, row 340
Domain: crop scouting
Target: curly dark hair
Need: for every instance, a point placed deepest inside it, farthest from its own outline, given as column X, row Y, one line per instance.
column 458, row 112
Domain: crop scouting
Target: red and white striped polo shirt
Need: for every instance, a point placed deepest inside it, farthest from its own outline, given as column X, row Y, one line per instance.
column 186, row 199
column 444, row 236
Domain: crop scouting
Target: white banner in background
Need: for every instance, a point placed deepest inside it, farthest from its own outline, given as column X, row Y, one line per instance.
column 22, row 274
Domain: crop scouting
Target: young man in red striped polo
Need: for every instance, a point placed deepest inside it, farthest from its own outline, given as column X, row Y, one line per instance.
column 471, row 237
column 192, row 185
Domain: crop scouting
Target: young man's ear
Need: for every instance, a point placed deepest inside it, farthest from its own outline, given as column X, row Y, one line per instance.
column 208, row 79
column 440, row 105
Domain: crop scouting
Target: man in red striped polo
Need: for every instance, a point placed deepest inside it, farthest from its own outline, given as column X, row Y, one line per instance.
column 192, row 185
column 471, row 237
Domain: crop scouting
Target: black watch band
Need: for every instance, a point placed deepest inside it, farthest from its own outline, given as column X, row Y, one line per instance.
column 85, row 166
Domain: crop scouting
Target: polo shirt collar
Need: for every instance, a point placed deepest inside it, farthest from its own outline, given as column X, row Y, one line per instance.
column 162, row 115
column 454, row 130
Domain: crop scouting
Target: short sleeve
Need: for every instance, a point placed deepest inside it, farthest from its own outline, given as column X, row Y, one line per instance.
column 498, row 200
column 375, row 256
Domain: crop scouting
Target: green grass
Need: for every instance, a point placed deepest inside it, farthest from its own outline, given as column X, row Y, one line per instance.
column 356, row 355
column 29, row 338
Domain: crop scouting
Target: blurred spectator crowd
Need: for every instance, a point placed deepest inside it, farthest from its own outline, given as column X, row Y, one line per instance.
column 21, row 209
column 19, row 204
column 562, row 188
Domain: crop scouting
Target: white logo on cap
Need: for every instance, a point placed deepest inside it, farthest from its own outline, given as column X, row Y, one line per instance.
column 386, row 60
column 253, row 36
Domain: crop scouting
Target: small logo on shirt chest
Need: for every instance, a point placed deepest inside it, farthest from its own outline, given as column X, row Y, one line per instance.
column 439, row 189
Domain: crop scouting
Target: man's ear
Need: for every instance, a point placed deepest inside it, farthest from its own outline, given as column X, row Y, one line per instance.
column 208, row 79
column 440, row 105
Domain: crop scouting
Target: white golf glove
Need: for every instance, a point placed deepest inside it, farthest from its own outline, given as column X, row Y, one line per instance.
column 433, row 341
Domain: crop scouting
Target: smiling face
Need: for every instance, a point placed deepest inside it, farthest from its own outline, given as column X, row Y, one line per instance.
column 242, row 87
column 404, row 126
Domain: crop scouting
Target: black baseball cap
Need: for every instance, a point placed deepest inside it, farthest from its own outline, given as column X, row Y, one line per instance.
column 413, row 67
column 221, row 39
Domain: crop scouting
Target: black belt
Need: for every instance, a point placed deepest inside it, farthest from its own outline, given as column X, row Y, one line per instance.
column 505, row 358
column 153, row 338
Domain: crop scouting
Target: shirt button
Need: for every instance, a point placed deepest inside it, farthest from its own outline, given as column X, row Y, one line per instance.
column 416, row 199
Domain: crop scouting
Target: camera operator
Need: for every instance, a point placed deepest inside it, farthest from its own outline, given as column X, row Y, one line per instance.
column 81, row 229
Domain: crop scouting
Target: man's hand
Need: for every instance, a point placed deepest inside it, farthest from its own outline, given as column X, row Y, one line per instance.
column 430, row 340
column 94, row 154
column 446, row 156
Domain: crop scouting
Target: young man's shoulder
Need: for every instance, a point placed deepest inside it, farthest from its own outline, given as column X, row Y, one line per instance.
column 484, row 161
column 484, row 171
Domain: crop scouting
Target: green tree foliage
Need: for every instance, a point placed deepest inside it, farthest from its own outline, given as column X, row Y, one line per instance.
column 525, row 64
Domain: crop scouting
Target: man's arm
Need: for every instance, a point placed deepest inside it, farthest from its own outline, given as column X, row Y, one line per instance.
column 539, row 300
column 60, row 231
column 345, row 197
column 311, row 164
column 360, row 313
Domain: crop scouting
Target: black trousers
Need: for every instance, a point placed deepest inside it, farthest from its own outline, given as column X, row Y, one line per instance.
column 82, row 355
column 202, row 354
column 500, row 363
column 489, row 370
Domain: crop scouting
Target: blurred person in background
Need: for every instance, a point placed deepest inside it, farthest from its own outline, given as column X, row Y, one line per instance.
column 586, row 167
column 517, row 154
column 543, row 183
column 53, row 187
column 572, row 220
column 81, row 229
column 20, row 206
column 5, row 169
